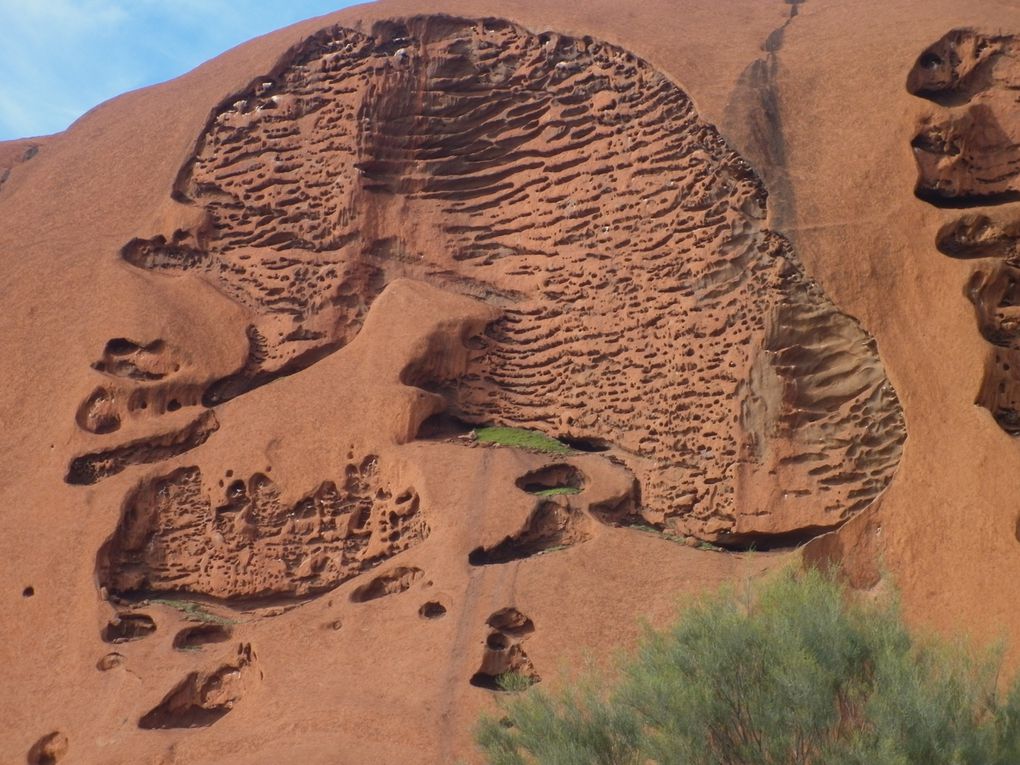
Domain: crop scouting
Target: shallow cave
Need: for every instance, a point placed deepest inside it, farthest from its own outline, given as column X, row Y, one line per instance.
column 432, row 610
column 559, row 478
column 194, row 637
column 761, row 542
column 389, row 583
column 589, row 445
column 125, row 627
column 442, row 426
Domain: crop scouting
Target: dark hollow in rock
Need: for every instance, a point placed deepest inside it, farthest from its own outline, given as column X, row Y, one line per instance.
column 98, row 414
column 199, row 635
column 202, row 698
column 769, row 542
column 432, row 610
column 389, row 583
column 109, row 661
column 505, row 665
column 125, row 627
column 551, row 526
column 95, row 466
column 618, row 511
column 48, row 750
column 586, row 444
column 552, row 477
column 512, row 622
column 441, row 426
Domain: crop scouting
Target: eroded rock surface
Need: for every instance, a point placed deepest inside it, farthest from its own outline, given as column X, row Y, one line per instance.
column 968, row 154
column 505, row 664
column 566, row 182
column 204, row 696
column 172, row 537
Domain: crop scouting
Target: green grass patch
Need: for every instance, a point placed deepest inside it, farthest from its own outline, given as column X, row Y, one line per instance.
column 514, row 682
column 519, row 438
column 557, row 491
column 192, row 611
column 710, row 547
column 670, row 536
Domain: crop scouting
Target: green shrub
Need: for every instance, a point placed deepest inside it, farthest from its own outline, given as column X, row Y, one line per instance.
column 795, row 672
column 514, row 682
column 521, row 439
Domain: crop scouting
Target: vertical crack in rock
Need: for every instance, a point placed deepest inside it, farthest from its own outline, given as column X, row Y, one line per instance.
column 755, row 114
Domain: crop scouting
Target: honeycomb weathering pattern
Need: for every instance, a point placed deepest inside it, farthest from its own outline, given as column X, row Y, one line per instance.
column 172, row 538
column 567, row 182
column 970, row 155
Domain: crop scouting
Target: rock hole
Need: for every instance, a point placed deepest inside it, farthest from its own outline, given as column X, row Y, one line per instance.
column 505, row 665
column 930, row 60
column 476, row 343
column 173, row 405
column 552, row 526
column 486, row 681
column 432, row 610
column 98, row 413
column 125, row 627
column 592, row 445
column 390, row 583
column 497, row 641
column 441, row 426
column 28, row 592
column 512, row 622
column 552, row 479
column 202, row 698
column 49, row 749
column 191, row 638
column 109, row 661
column 121, row 346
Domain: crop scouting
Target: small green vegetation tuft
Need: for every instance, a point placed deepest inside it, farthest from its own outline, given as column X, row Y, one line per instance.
column 192, row 611
column 669, row 536
column 554, row 548
column 521, row 439
column 557, row 491
column 515, row 682
column 795, row 671
column 703, row 545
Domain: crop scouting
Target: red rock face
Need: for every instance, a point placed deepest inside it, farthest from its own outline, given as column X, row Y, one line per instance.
column 253, row 545
column 246, row 517
column 645, row 307
column 968, row 154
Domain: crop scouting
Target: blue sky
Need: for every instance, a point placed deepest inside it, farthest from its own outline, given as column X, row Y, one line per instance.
column 59, row 58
